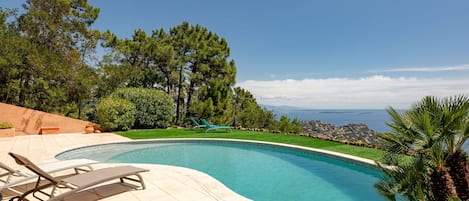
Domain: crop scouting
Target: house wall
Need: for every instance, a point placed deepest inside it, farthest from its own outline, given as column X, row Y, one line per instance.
column 31, row 121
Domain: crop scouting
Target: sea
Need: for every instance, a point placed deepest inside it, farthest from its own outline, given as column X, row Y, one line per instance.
column 374, row 119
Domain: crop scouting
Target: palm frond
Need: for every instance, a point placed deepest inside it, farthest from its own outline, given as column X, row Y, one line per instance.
column 431, row 131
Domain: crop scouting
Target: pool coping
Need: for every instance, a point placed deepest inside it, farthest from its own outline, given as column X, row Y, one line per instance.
column 335, row 155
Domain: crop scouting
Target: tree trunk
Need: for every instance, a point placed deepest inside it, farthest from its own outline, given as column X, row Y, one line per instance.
column 192, row 84
column 79, row 109
column 168, row 87
column 458, row 169
column 22, row 93
column 178, row 101
column 442, row 185
column 189, row 98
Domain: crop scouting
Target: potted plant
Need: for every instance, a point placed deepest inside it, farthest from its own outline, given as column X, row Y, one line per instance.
column 7, row 129
column 89, row 128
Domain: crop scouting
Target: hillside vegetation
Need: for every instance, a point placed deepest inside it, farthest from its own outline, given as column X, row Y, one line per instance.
column 49, row 62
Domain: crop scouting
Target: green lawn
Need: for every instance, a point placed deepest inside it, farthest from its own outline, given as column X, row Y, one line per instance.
column 373, row 154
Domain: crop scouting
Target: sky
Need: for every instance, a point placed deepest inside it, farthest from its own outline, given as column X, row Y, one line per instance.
column 328, row 54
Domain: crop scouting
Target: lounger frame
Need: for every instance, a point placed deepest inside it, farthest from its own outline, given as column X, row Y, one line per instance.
column 13, row 177
column 78, row 182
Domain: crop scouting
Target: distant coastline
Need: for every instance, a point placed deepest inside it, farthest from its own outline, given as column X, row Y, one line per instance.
column 375, row 119
column 355, row 134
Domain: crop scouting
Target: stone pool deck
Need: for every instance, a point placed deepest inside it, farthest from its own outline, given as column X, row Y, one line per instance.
column 163, row 182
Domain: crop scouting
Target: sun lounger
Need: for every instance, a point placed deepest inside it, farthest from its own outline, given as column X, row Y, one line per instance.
column 213, row 126
column 196, row 124
column 12, row 177
column 79, row 182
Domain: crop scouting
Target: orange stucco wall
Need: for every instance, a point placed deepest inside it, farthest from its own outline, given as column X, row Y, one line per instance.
column 31, row 121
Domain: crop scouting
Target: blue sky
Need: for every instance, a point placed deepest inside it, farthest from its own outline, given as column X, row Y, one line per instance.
column 322, row 54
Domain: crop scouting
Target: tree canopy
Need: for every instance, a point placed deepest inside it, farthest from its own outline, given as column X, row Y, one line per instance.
column 47, row 64
column 44, row 62
column 189, row 62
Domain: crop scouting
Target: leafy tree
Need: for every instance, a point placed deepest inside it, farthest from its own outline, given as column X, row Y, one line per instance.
column 248, row 113
column 266, row 119
column 46, row 52
column 190, row 63
column 111, row 77
column 284, row 124
column 432, row 132
column 80, row 90
column 164, row 57
column 135, row 55
column 203, row 70
column 46, row 46
column 296, row 126
column 11, row 45
column 246, row 109
column 214, row 101
column 142, row 61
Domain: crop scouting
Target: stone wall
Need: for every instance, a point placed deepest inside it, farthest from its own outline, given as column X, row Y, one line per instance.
column 358, row 134
column 31, row 121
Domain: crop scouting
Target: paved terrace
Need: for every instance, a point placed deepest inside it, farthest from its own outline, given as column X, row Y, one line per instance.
column 163, row 182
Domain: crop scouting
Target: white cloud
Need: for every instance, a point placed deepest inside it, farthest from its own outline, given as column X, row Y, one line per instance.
column 429, row 69
column 376, row 92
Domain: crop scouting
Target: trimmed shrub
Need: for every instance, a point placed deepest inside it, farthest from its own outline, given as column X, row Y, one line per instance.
column 5, row 125
column 154, row 107
column 116, row 114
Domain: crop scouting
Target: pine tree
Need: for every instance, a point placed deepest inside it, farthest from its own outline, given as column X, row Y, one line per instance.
column 49, row 42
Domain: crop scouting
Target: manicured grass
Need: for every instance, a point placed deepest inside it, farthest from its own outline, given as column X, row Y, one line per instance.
column 373, row 154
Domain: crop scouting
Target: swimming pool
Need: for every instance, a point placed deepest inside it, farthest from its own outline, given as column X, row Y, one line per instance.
column 255, row 170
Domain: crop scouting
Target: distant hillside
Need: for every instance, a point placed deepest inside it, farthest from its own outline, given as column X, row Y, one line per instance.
column 358, row 134
column 282, row 107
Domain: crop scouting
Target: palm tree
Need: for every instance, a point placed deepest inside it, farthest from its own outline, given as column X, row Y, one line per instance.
column 432, row 133
column 409, row 180
column 458, row 133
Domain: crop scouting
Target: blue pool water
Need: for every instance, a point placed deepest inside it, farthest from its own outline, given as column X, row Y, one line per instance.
column 256, row 171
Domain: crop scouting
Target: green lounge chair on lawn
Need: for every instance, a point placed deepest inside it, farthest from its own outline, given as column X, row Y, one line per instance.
column 213, row 126
column 196, row 124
